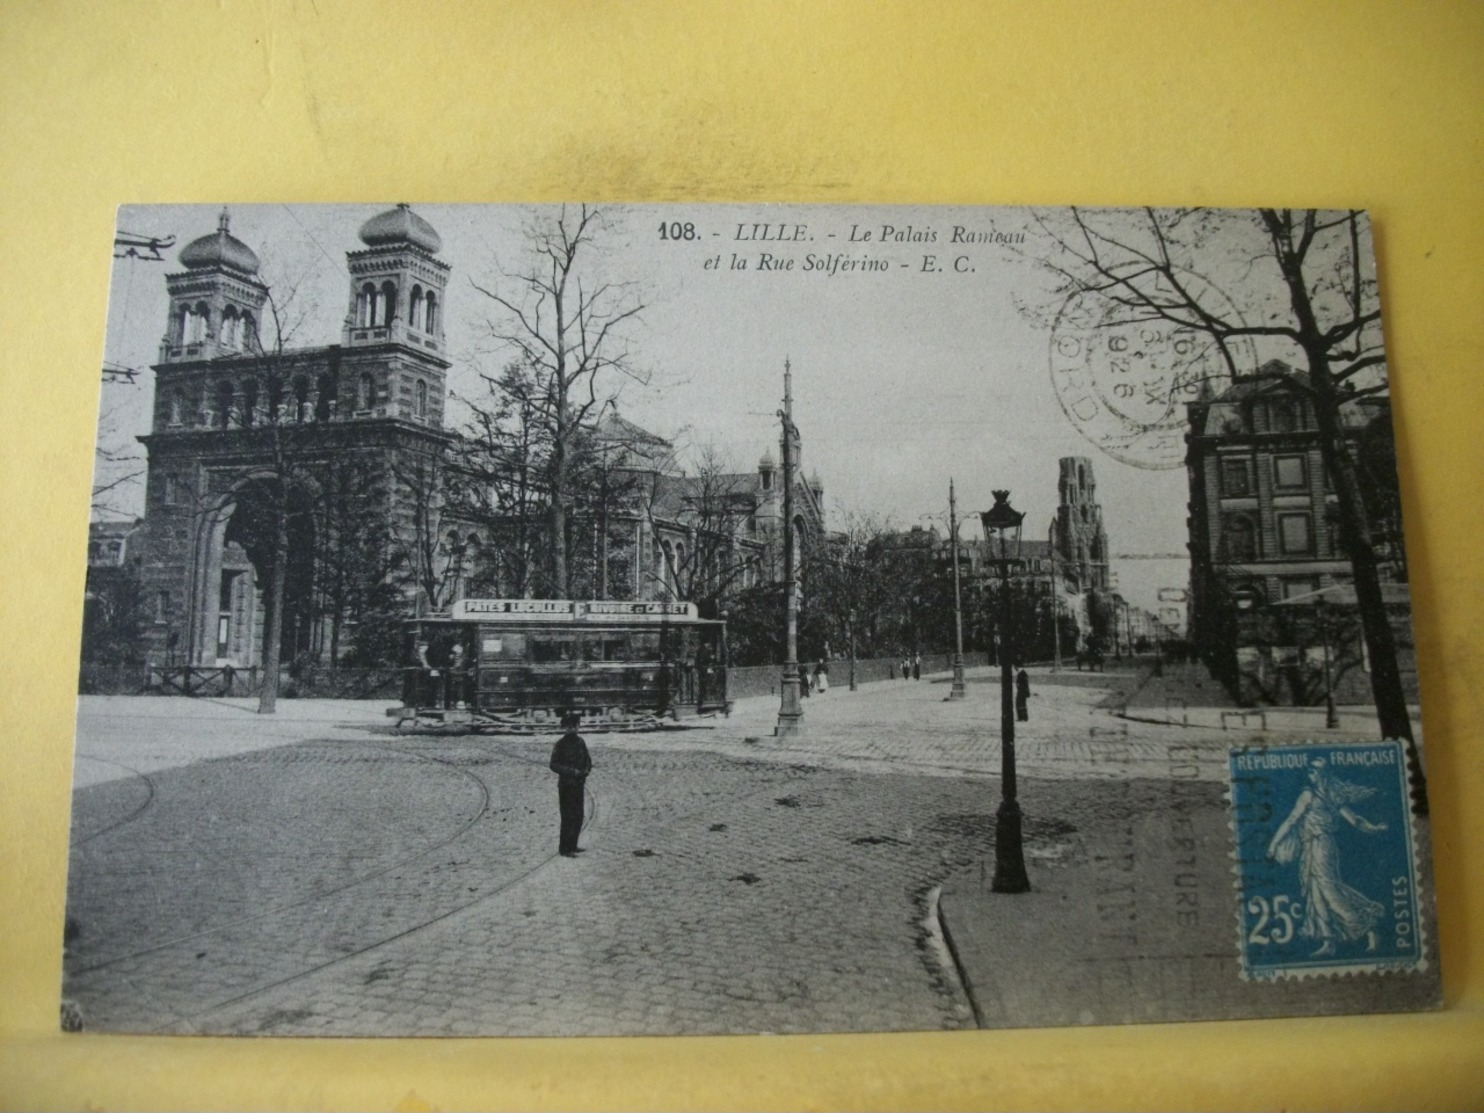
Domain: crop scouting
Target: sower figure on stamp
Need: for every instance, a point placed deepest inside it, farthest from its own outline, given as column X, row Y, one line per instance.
column 1332, row 909
column 1022, row 697
column 571, row 763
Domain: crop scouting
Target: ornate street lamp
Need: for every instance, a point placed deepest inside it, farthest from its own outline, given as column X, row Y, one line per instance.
column 1002, row 531
column 956, row 691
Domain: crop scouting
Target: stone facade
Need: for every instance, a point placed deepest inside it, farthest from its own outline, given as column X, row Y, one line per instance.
column 1271, row 606
column 241, row 425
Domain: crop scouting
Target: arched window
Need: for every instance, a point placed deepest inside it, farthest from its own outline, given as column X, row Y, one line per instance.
column 388, row 302
column 415, row 308
column 420, row 400
column 224, row 397
column 229, row 329
column 324, row 401
column 301, row 398
column 366, row 396
column 199, row 317
column 249, row 402
column 249, row 331
column 667, row 572
column 173, row 407
column 275, row 400
column 181, row 325
column 430, row 313
column 365, row 305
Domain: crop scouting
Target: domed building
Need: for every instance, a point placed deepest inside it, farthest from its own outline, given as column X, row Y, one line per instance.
column 243, row 425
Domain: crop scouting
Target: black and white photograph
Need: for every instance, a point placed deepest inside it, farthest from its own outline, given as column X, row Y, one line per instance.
column 681, row 619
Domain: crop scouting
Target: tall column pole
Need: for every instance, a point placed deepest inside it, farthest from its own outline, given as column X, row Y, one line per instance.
column 1055, row 598
column 957, row 690
column 790, row 711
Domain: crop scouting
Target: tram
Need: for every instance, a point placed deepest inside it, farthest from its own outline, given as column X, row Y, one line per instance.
column 516, row 665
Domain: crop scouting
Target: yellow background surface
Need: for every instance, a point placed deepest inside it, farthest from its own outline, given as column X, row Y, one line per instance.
column 1344, row 104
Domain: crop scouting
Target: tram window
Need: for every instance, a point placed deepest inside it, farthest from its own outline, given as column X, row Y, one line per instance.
column 644, row 646
column 606, row 647
column 550, row 648
column 503, row 647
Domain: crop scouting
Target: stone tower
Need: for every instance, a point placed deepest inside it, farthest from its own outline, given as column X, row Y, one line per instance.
column 1081, row 541
column 243, row 426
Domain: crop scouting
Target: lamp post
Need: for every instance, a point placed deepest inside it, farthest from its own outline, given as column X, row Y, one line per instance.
column 1331, row 717
column 956, row 691
column 852, row 650
column 1002, row 529
column 1051, row 581
column 790, row 710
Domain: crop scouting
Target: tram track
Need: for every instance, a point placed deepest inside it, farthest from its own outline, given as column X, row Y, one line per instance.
column 175, row 1018
column 318, row 896
column 149, row 799
column 795, row 774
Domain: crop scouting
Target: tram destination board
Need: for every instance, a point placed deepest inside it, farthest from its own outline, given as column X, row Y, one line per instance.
column 970, row 617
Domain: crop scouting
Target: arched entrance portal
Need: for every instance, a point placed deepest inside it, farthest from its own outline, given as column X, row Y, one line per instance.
column 234, row 592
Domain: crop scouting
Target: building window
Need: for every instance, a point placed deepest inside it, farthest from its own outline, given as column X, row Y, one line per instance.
column 420, row 400
column 224, row 398
column 324, row 397
column 1238, row 538
column 1290, row 473
column 1295, row 535
column 1236, row 476
column 1294, row 586
column 301, row 398
column 367, row 395
column 249, row 409
column 162, row 606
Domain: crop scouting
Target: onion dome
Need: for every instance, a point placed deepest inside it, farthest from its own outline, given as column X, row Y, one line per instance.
column 401, row 226
column 766, row 463
column 221, row 249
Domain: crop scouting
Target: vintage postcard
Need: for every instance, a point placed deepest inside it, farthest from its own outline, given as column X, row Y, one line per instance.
column 680, row 619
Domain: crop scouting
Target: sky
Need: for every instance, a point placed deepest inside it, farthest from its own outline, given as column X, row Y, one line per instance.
column 940, row 366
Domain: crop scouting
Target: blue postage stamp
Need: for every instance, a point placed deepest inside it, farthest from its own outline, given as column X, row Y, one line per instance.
column 1326, row 875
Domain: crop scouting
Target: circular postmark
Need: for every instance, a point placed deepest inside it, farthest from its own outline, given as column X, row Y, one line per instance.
column 1123, row 375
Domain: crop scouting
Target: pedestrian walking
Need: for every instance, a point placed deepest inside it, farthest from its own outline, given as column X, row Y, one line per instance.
column 1022, row 697
column 571, row 763
column 916, row 667
column 822, row 678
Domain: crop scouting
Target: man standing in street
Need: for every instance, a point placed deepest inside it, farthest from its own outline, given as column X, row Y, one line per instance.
column 571, row 764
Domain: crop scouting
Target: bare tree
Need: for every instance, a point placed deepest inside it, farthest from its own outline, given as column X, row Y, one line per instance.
column 500, row 478
column 567, row 325
column 1300, row 287
column 850, row 589
column 118, row 467
column 293, row 449
column 707, row 519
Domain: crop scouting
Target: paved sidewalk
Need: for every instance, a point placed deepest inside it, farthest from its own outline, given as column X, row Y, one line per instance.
column 1136, row 921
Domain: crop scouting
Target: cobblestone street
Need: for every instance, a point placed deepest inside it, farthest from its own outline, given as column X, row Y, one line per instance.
column 321, row 874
